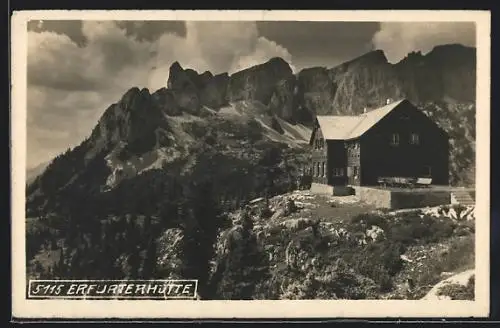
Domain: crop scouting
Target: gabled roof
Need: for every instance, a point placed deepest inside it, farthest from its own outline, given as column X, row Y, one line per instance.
column 337, row 127
column 350, row 127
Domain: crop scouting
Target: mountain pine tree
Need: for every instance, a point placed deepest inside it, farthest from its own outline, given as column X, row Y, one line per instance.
column 269, row 164
column 246, row 265
column 201, row 227
column 149, row 265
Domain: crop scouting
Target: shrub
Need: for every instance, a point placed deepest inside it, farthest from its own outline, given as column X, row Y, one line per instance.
column 333, row 281
column 361, row 222
column 412, row 229
column 467, row 226
column 380, row 262
column 459, row 257
column 345, row 282
column 459, row 292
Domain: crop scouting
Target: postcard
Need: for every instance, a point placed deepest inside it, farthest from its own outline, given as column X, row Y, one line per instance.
column 250, row 164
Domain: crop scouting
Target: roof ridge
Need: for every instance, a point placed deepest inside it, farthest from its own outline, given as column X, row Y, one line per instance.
column 358, row 124
column 337, row 115
column 386, row 109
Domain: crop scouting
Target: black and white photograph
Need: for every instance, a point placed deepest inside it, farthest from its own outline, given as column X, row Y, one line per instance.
column 171, row 159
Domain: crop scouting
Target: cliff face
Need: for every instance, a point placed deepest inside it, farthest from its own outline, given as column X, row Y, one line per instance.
column 135, row 120
column 365, row 82
column 447, row 73
column 271, row 84
column 258, row 82
column 214, row 91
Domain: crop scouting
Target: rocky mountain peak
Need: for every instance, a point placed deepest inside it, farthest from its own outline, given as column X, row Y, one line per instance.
column 134, row 99
column 175, row 67
column 129, row 95
column 375, row 57
column 278, row 62
column 259, row 82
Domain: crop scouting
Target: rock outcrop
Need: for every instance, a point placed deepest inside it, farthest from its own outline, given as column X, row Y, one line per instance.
column 185, row 87
column 191, row 90
column 259, row 82
column 214, row 91
column 134, row 120
column 447, row 72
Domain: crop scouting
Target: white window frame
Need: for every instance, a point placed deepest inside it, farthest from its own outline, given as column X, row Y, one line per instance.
column 395, row 139
column 355, row 171
column 415, row 138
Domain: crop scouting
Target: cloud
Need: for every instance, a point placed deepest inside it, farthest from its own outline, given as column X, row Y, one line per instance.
column 218, row 47
column 263, row 49
column 71, row 83
column 398, row 39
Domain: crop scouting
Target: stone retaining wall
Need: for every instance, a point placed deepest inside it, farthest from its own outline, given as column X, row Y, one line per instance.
column 419, row 199
column 319, row 188
column 383, row 198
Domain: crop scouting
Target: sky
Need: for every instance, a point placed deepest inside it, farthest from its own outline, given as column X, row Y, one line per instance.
column 76, row 69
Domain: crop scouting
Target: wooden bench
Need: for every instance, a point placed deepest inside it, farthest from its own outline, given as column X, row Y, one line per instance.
column 423, row 182
column 403, row 182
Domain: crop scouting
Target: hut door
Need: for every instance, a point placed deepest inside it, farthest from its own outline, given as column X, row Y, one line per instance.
column 353, row 175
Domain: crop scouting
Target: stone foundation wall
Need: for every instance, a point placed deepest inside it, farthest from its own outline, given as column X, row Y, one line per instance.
column 382, row 198
column 319, row 188
column 419, row 199
column 342, row 191
column 377, row 197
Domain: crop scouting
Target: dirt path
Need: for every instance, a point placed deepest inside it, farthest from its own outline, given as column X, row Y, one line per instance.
column 461, row 278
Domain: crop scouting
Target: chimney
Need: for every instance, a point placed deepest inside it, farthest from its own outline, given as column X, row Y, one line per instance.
column 388, row 101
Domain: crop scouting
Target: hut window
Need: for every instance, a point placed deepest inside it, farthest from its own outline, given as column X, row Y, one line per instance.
column 323, row 170
column 395, row 139
column 338, row 172
column 319, row 143
column 414, row 139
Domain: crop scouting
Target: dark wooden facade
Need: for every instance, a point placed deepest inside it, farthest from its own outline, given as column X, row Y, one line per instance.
column 319, row 157
column 403, row 143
